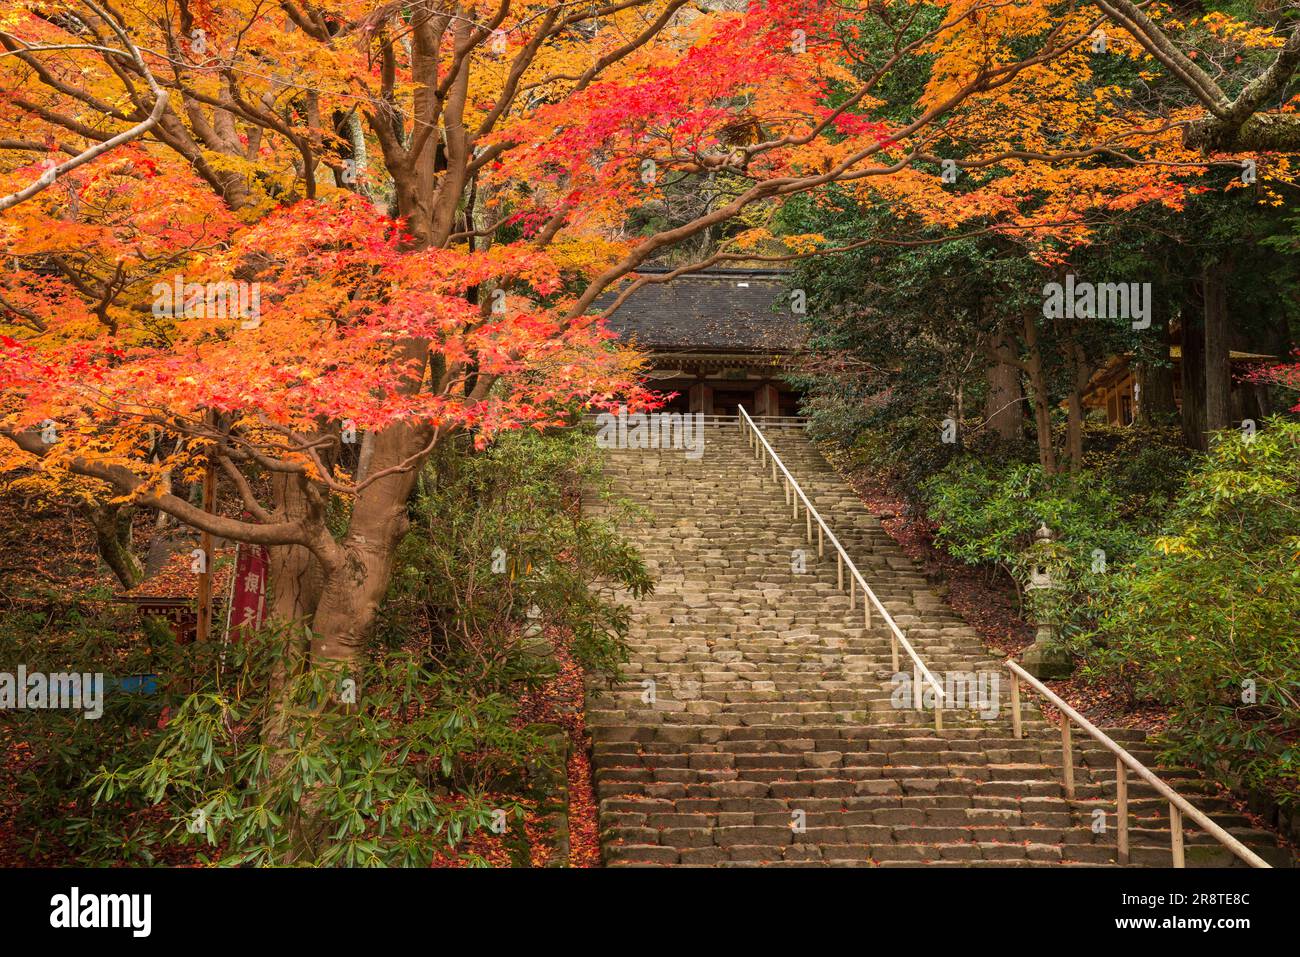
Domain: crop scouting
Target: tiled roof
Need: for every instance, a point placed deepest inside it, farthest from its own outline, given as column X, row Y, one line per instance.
column 723, row 310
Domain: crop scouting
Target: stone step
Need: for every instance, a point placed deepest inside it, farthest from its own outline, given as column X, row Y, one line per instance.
column 773, row 736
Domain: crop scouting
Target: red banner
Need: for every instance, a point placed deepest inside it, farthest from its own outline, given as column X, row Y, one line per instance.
column 247, row 592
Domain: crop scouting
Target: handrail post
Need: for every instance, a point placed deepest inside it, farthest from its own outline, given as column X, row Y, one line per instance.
column 1179, row 806
column 1121, row 811
column 1017, row 729
column 821, row 541
column 839, row 574
column 1067, row 757
column 893, row 650
column 807, row 513
column 1176, row 835
column 853, row 584
column 938, row 711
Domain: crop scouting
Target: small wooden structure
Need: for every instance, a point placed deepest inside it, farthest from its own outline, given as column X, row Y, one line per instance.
column 719, row 338
column 172, row 595
column 179, row 613
column 1113, row 387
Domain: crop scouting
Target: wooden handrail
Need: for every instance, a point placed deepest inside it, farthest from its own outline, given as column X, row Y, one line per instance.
column 795, row 494
column 1179, row 806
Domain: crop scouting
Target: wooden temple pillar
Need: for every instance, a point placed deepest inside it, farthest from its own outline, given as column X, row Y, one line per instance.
column 702, row 398
column 767, row 400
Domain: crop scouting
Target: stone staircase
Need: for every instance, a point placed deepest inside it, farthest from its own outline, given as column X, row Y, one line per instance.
column 758, row 726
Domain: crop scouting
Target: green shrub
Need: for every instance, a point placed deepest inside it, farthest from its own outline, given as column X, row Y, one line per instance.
column 499, row 539
column 247, row 757
column 907, row 449
column 986, row 513
column 1145, row 466
column 274, row 772
column 52, row 752
column 1210, row 609
column 404, row 773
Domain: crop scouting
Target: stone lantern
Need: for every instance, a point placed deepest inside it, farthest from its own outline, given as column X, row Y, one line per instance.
column 1045, row 658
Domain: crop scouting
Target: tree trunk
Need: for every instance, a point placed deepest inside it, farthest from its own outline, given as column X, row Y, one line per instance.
column 1041, row 398
column 294, row 573
column 112, row 524
column 1074, row 430
column 1193, row 380
column 363, row 456
column 1260, row 133
column 1003, row 408
column 343, row 597
column 352, row 592
column 1218, row 375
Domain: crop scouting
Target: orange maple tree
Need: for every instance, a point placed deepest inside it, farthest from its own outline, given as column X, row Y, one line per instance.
column 391, row 222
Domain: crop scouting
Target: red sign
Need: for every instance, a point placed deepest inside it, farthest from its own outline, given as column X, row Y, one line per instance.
column 247, row 592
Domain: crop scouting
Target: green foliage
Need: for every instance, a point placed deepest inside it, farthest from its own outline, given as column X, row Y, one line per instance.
column 1145, row 467
column 499, row 538
column 1213, row 603
column 237, row 735
column 987, row 507
column 82, row 634
column 250, row 757
column 987, row 513
column 906, row 447
column 281, row 768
